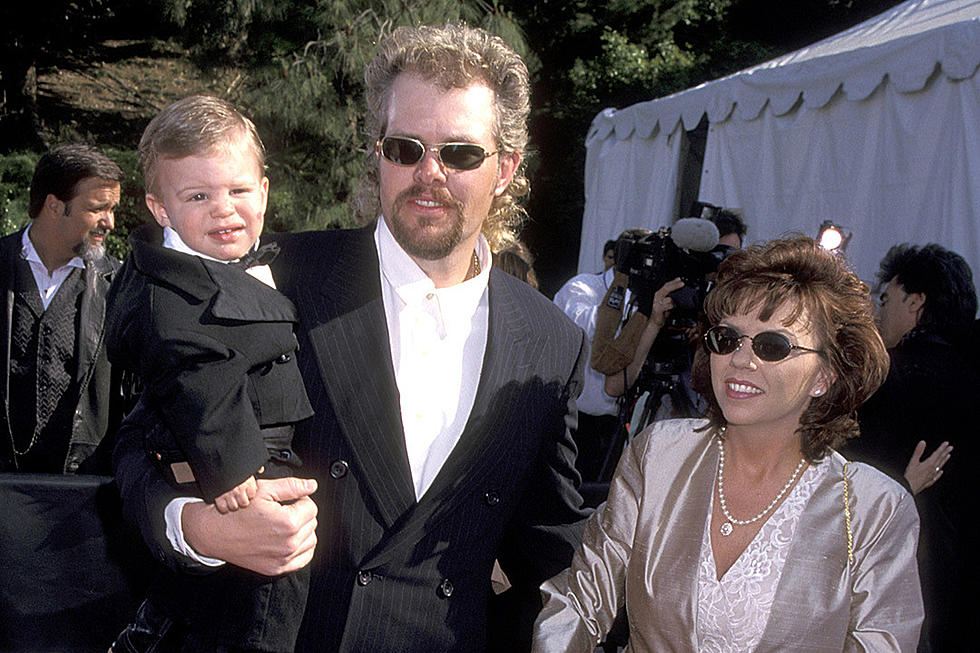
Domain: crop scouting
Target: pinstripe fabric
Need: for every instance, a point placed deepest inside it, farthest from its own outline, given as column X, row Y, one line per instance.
column 393, row 574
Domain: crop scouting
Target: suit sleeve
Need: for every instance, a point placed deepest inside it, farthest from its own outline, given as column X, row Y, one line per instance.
column 581, row 602
column 547, row 525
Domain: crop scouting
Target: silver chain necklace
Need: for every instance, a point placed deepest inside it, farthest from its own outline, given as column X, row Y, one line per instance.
column 727, row 527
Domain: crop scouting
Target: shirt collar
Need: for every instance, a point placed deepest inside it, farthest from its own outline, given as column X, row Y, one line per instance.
column 30, row 254
column 410, row 282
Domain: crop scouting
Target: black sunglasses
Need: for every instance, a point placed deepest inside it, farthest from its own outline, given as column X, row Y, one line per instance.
column 769, row 346
column 409, row 151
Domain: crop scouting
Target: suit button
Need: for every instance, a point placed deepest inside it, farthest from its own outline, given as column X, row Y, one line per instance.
column 491, row 498
column 363, row 578
column 285, row 358
column 338, row 468
column 446, row 587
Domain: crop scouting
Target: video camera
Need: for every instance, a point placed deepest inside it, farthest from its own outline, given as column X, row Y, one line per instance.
column 688, row 250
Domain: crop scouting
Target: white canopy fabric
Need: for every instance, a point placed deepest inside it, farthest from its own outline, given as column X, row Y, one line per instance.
column 876, row 128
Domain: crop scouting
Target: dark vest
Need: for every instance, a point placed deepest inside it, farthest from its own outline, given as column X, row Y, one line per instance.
column 43, row 364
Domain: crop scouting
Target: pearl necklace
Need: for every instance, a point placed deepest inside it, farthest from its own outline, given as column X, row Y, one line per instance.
column 727, row 527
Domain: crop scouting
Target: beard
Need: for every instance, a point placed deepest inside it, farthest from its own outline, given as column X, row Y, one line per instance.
column 421, row 239
column 90, row 249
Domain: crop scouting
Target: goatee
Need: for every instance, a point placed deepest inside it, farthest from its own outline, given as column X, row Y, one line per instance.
column 420, row 240
column 90, row 249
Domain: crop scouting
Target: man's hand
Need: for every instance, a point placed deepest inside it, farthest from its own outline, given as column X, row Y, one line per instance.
column 274, row 535
column 923, row 473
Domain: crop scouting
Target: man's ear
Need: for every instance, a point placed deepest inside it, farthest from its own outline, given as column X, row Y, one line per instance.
column 509, row 161
column 916, row 301
column 53, row 205
column 158, row 210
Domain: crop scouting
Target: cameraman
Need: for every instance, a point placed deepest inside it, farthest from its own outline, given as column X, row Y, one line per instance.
column 618, row 382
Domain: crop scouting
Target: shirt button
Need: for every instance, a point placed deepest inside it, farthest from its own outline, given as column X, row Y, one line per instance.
column 364, row 578
column 285, row 358
column 338, row 468
column 446, row 587
column 491, row 498
column 429, row 295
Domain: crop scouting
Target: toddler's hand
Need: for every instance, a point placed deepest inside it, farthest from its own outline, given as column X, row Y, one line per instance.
column 237, row 497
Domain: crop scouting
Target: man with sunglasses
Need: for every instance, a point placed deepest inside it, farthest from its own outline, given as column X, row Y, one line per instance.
column 927, row 306
column 443, row 390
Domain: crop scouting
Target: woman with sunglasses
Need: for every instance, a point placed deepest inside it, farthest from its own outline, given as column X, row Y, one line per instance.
column 747, row 531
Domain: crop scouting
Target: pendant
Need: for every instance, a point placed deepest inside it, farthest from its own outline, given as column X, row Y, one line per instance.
column 726, row 528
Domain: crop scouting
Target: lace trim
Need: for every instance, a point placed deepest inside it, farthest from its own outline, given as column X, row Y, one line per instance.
column 733, row 611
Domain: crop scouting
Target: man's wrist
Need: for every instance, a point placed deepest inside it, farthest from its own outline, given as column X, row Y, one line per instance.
column 173, row 515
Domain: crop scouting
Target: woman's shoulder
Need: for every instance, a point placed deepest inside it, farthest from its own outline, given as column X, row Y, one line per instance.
column 868, row 479
column 677, row 436
column 871, row 490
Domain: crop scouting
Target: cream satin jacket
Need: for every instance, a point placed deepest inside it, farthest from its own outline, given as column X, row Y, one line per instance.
column 642, row 548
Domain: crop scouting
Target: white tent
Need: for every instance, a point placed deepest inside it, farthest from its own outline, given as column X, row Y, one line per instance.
column 876, row 128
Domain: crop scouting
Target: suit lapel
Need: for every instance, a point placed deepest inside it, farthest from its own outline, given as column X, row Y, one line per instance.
column 345, row 318
column 484, row 437
column 9, row 251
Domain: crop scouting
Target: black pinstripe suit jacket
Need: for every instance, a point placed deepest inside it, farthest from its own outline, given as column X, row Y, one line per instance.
column 390, row 573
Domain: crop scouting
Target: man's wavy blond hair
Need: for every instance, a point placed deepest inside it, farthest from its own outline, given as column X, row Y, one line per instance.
column 454, row 56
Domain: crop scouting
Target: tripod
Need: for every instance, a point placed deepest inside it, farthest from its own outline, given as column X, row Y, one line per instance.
column 654, row 387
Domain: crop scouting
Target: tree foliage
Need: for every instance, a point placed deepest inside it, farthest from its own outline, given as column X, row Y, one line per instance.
column 300, row 64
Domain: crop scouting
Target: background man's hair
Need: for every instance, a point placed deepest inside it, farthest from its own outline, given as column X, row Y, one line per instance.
column 943, row 276
column 61, row 169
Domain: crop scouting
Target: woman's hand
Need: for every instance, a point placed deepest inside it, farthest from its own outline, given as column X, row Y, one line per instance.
column 923, row 473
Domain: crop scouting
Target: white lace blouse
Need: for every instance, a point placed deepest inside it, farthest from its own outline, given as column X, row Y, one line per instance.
column 732, row 612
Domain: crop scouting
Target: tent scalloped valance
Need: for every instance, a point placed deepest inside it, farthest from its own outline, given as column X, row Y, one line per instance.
column 944, row 35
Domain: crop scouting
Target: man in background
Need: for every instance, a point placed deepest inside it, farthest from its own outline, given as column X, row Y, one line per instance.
column 60, row 397
column 579, row 299
column 927, row 307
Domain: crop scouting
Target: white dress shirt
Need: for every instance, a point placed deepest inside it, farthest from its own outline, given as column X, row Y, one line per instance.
column 47, row 284
column 579, row 299
column 438, row 337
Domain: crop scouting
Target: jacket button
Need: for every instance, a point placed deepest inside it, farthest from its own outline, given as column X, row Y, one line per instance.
column 446, row 587
column 491, row 498
column 338, row 468
column 285, row 358
column 363, row 578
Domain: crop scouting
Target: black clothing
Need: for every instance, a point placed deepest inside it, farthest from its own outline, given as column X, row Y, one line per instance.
column 215, row 348
column 61, row 352
column 392, row 573
column 929, row 395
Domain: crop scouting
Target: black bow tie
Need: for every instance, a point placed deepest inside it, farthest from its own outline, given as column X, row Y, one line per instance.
column 262, row 256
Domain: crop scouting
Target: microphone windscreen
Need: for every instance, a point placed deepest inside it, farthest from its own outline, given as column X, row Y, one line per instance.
column 695, row 234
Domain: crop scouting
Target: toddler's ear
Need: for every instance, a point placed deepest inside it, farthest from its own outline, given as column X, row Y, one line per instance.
column 157, row 209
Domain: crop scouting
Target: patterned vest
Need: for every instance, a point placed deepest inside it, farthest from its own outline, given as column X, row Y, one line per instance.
column 43, row 385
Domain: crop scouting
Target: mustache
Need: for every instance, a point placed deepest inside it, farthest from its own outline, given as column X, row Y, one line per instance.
column 439, row 194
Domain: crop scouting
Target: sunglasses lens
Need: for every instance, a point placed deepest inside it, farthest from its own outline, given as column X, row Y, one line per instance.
column 771, row 346
column 462, row 156
column 721, row 340
column 402, row 151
